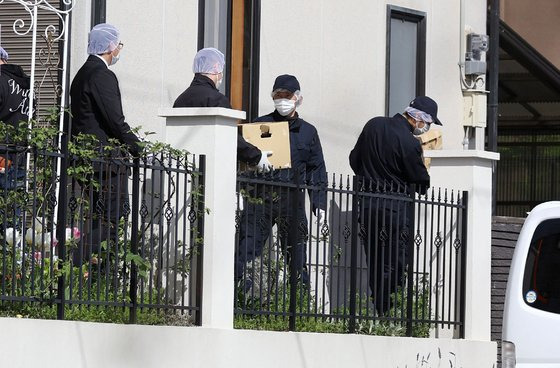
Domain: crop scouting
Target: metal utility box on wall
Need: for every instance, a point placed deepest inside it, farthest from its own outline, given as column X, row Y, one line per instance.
column 475, row 58
column 474, row 108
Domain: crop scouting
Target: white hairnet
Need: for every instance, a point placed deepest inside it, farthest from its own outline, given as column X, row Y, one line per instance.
column 3, row 54
column 209, row 61
column 418, row 114
column 103, row 38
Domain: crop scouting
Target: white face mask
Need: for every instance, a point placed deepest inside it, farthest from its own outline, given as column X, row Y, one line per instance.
column 114, row 59
column 219, row 82
column 284, row 106
column 424, row 129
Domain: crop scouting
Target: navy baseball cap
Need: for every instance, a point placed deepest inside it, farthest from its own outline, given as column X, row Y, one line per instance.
column 286, row 81
column 426, row 104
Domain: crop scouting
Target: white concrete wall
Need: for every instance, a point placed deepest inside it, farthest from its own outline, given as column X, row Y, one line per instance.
column 337, row 51
column 160, row 39
column 42, row 343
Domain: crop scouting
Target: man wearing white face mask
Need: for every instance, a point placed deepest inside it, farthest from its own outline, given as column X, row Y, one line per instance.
column 97, row 110
column 208, row 69
column 307, row 163
column 389, row 157
column 95, row 95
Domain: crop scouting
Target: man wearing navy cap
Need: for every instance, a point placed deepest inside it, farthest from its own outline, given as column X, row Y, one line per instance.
column 308, row 164
column 388, row 157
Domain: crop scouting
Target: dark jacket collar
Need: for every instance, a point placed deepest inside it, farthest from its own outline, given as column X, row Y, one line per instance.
column 96, row 60
column 202, row 80
column 294, row 121
column 403, row 120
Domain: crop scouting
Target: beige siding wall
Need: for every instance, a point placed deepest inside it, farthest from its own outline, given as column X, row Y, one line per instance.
column 537, row 22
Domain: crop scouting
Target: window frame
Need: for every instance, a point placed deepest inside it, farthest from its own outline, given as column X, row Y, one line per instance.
column 544, row 231
column 418, row 17
column 98, row 12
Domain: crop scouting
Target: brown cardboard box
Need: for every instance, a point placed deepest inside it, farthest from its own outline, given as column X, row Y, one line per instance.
column 273, row 137
column 431, row 140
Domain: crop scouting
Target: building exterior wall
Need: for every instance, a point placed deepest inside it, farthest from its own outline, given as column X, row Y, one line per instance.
column 338, row 54
column 336, row 51
column 537, row 22
column 160, row 39
column 63, row 344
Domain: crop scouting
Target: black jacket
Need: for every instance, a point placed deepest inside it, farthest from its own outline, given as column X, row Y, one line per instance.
column 388, row 152
column 306, row 155
column 14, row 94
column 203, row 93
column 96, row 105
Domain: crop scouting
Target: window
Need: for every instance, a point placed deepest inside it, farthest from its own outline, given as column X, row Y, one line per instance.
column 233, row 27
column 98, row 12
column 406, row 50
column 541, row 281
column 213, row 31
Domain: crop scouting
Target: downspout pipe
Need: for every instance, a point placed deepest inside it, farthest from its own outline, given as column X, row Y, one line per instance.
column 493, row 69
column 462, row 34
column 462, row 41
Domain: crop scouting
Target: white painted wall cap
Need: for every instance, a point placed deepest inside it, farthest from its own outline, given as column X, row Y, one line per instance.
column 201, row 111
column 494, row 156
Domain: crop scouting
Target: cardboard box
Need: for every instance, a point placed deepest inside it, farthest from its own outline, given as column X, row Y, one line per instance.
column 273, row 137
column 431, row 140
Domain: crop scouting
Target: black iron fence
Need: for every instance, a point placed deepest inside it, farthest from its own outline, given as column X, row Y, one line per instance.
column 382, row 259
column 98, row 232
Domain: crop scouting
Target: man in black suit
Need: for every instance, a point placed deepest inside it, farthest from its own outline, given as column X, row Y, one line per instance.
column 96, row 97
column 208, row 67
column 97, row 110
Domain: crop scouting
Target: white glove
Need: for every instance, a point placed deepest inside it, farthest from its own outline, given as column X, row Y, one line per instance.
column 151, row 160
column 264, row 165
column 240, row 201
column 321, row 217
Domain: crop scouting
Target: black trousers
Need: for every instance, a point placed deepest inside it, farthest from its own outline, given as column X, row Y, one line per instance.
column 386, row 228
column 106, row 208
column 255, row 227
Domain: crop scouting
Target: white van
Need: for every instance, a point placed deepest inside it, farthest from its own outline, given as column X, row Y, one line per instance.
column 531, row 325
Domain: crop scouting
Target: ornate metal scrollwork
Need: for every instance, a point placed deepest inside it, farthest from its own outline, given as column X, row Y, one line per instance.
column 30, row 6
column 48, row 56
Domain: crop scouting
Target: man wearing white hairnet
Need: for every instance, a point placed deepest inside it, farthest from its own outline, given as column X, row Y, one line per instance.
column 307, row 167
column 97, row 110
column 96, row 98
column 208, row 69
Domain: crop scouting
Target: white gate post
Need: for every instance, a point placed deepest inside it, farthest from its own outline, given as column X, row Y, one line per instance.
column 471, row 170
column 213, row 132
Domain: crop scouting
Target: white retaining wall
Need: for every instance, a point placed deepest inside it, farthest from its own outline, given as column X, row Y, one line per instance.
column 28, row 343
